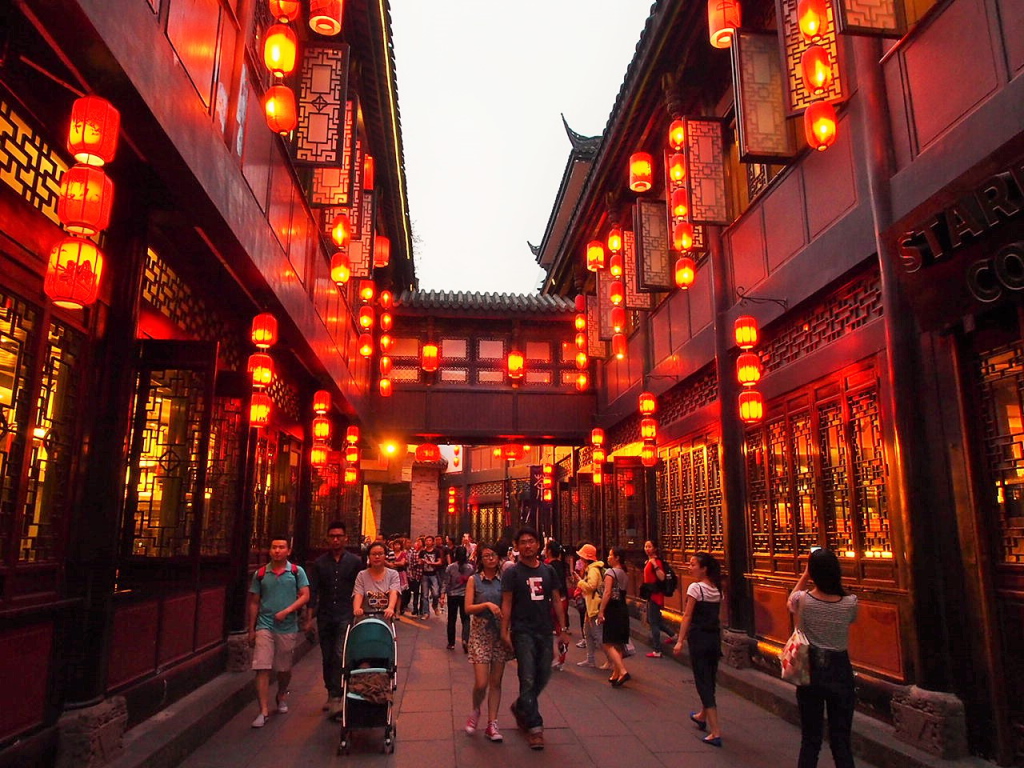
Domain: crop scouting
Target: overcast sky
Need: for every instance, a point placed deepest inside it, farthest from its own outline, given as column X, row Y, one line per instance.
column 481, row 85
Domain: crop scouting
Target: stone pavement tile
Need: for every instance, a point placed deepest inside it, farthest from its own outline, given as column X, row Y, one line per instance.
column 417, row 754
column 426, row 701
column 611, row 750
column 423, row 726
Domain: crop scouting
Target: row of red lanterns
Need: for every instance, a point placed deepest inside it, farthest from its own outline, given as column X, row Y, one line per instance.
column 748, row 369
column 817, row 72
column 647, row 404
column 676, row 170
column 582, row 358
column 261, row 368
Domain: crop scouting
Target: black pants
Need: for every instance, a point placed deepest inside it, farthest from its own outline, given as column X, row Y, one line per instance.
column 332, row 635
column 831, row 689
column 457, row 608
column 705, row 651
column 414, row 596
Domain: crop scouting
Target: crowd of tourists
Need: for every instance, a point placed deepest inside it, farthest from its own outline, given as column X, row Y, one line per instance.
column 513, row 602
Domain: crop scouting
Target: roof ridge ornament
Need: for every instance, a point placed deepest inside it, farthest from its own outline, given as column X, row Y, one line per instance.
column 587, row 145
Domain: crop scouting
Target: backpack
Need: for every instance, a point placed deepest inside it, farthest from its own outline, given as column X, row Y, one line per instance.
column 671, row 582
column 262, row 571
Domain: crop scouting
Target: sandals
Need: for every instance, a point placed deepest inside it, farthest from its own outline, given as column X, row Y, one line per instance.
column 702, row 725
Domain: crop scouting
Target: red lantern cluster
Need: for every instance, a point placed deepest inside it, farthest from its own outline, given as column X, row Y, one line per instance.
column 280, row 55
column 350, row 473
column 580, row 322
column 817, row 70
column 676, row 171
column 547, row 475
column 452, row 500
column 261, row 368
column 648, row 406
column 748, row 370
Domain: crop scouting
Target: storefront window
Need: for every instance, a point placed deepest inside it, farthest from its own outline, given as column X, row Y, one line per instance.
column 690, row 497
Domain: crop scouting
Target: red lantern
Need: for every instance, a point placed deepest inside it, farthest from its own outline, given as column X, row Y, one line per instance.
column 597, row 436
column 677, row 167
column 595, row 255
column 367, row 290
column 648, row 428
column 677, row 134
column 429, row 358
column 264, row 330
column 352, row 435
column 261, row 368
column 386, row 299
column 816, row 69
column 365, row 344
column 812, row 18
column 649, row 455
column 618, row 318
column 724, row 18
column 820, row 125
column 512, row 451
column 321, row 428
column 351, row 475
column 321, row 402
column 86, row 196
column 680, row 203
column 599, row 455
column 582, row 382
column 615, row 265
column 581, row 302
column 352, row 454
column 384, row 387
column 284, row 10
column 279, row 107
column 686, row 271
column 617, row 293
column 582, row 360
column 386, row 342
column 259, row 409
column 682, row 236
column 73, row 273
column 598, row 476
column 746, row 332
column 751, row 406
column 619, row 345
column 341, row 232
column 318, row 455
column 386, row 321
column 516, row 364
column 748, row 369
column 580, row 322
column 325, row 16
column 279, row 50
column 385, row 365
column 341, row 270
column 429, row 452
column 381, row 251
column 615, row 240
column 641, row 172
column 92, row 136
column 496, row 453
column 581, row 341
column 366, row 317
column 648, row 404
column 369, row 169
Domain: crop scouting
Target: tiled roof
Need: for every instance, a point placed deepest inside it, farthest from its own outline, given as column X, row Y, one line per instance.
column 485, row 303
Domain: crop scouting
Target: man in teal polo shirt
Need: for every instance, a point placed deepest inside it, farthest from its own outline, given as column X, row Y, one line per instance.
column 277, row 592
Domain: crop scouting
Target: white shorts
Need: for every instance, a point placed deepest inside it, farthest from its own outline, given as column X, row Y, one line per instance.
column 274, row 650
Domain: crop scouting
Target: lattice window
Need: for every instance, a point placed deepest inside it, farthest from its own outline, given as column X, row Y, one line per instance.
column 28, row 165
column 869, row 474
column 691, row 395
column 759, row 519
column 285, row 397
column 835, row 480
column 690, row 503
column 224, row 465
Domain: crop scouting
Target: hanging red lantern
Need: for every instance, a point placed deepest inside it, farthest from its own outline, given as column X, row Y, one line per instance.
column 365, row 344
column 381, row 251
column 496, row 453
column 682, row 236
column 86, row 197
column 512, row 451
column 649, row 455
column 264, row 330
column 615, row 265
column 648, row 428
column 321, row 428
column 341, row 231
column 598, row 476
column 751, row 406
column 386, row 321
column 341, row 270
column 680, row 203
column 321, row 402
column 580, row 322
column 325, row 16
column 318, row 455
column 820, row 125
column 279, row 107
column 386, row 342
column 261, row 369
column 677, row 134
column 599, row 455
column 812, row 18
column 581, row 302
column 73, row 273
column 284, row 10
column 748, row 369
column 619, row 346
column 92, row 136
column 595, row 255
column 677, row 167
column 367, row 290
column 386, row 299
column 279, row 50
column 816, row 69
column 429, row 452
column 597, row 436
column 259, row 409
column 384, row 387
column 686, row 272
column 352, row 454
column 617, row 293
column 369, row 170
column 352, row 435
column 429, row 358
column 351, row 475
column 516, row 364
column 724, row 18
column 582, row 381
column 582, row 360
column 641, row 172
column 647, row 403
column 615, row 240
column 746, row 332
column 366, row 317
column 581, row 342
column 385, row 366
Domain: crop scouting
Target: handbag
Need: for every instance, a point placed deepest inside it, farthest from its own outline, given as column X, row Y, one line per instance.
column 796, row 654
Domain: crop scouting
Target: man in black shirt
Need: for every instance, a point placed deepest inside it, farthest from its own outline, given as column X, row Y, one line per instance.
column 433, row 565
column 331, row 581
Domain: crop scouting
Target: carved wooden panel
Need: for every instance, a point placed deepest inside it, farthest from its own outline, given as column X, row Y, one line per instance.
column 635, row 299
column 764, row 132
column 793, row 47
column 654, row 267
column 705, row 177
column 595, row 346
column 604, row 305
column 324, row 127
column 28, row 165
column 884, row 18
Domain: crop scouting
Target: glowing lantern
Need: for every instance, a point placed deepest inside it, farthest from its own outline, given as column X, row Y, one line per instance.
column 321, row 428
column 512, row 451
column 321, row 402
column 384, row 387
column 341, row 270
column 457, row 450
column 318, row 455
column 580, row 302
column 677, row 134
column 648, row 455
column 86, row 196
column 598, row 477
column 365, row 344
column 751, row 406
column 618, row 318
column 386, row 299
column 279, row 107
column 686, row 271
column 430, row 452
column 496, row 453
column 812, row 18
column 599, row 456
column 746, row 332
column 261, row 368
column 615, row 240
column 366, row 317
column 264, row 330
column 677, row 167
column 73, row 273
column 617, row 292
column 820, row 125
column 641, row 172
column 352, row 454
column 428, row 358
column 581, row 341
column 615, row 265
column 259, row 409
column 341, row 232
column 386, row 321
column 580, row 322
column 581, row 360
column 386, row 342
column 597, row 436
column 682, row 236
column 816, row 69
column 516, row 364
column 748, row 369
column 385, row 365
column 284, row 10
column 647, row 403
column 595, row 255
column 369, row 171
column 325, row 16
column 351, row 475
column 279, row 50
column 619, row 345
column 92, row 136
column 724, row 18
column 381, row 251
column 648, row 428
column 367, row 290
column 582, row 382
column 680, row 203
column 352, row 435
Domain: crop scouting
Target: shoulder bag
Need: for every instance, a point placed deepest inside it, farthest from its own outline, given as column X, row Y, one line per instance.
column 796, row 653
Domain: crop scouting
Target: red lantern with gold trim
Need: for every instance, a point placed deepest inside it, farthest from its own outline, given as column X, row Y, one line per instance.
column 321, row 402
column 365, row 344
column 617, row 293
column 615, row 265
column 580, row 322
column 686, row 272
column 598, row 476
column 428, row 452
column 582, row 381
column 748, row 369
column 429, row 357
column 597, row 436
column 619, row 346
column 261, row 369
column 381, row 251
column 86, row 197
column 582, row 361
column 680, row 203
column 820, row 125
column 386, row 342
column 581, row 342
column 595, row 255
column 682, row 236
column 386, row 321
column 280, row 48
column 264, row 330
column 321, row 428
column 599, row 455
column 647, row 404
column 649, row 454
column 341, row 270
column 367, row 290
column 618, row 319
column 284, row 10
column 641, row 172
column 751, row 406
column 366, row 317
column 677, row 167
column 386, row 299
column 516, row 364
column 724, row 18
column 279, row 108
column 73, row 273
column 352, row 435
column 259, row 409
column 95, row 125
column 615, row 239
column 648, row 428
column 385, row 387
column 746, row 332
column 352, row 454
column 385, row 365
column 318, row 455
column 351, row 475
column 325, row 16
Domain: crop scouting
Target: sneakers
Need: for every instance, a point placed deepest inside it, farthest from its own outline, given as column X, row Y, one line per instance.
column 582, row 643
column 492, row 731
column 654, row 655
column 260, row 721
column 451, row 647
column 282, row 706
column 586, row 663
column 558, row 666
column 471, row 721
column 535, row 739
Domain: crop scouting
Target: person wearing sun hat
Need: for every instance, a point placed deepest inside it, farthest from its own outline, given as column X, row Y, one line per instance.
column 590, row 585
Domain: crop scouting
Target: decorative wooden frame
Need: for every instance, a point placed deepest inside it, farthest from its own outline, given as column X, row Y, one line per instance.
column 653, row 260
column 765, row 133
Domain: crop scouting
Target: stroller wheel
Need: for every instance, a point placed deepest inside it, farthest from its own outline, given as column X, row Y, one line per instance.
column 344, row 745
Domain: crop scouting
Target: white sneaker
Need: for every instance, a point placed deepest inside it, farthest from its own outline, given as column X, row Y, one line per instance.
column 282, row 707
column 558, row 667
column 260, row 721
column 582, row 643
column 585, row 663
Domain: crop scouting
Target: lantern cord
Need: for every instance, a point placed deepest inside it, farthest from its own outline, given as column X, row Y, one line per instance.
column 63, row 83
column 746, row 297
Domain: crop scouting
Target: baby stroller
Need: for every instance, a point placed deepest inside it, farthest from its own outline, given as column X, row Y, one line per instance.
column 369, row 681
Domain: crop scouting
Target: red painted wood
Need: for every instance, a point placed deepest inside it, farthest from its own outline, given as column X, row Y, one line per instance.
column 25, row 657
column 133, row 644
column 177, row 628
column 210, row 624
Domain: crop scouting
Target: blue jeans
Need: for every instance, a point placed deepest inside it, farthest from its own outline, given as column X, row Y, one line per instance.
column 657, row 624
column 430, row 591
column 534, row 655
